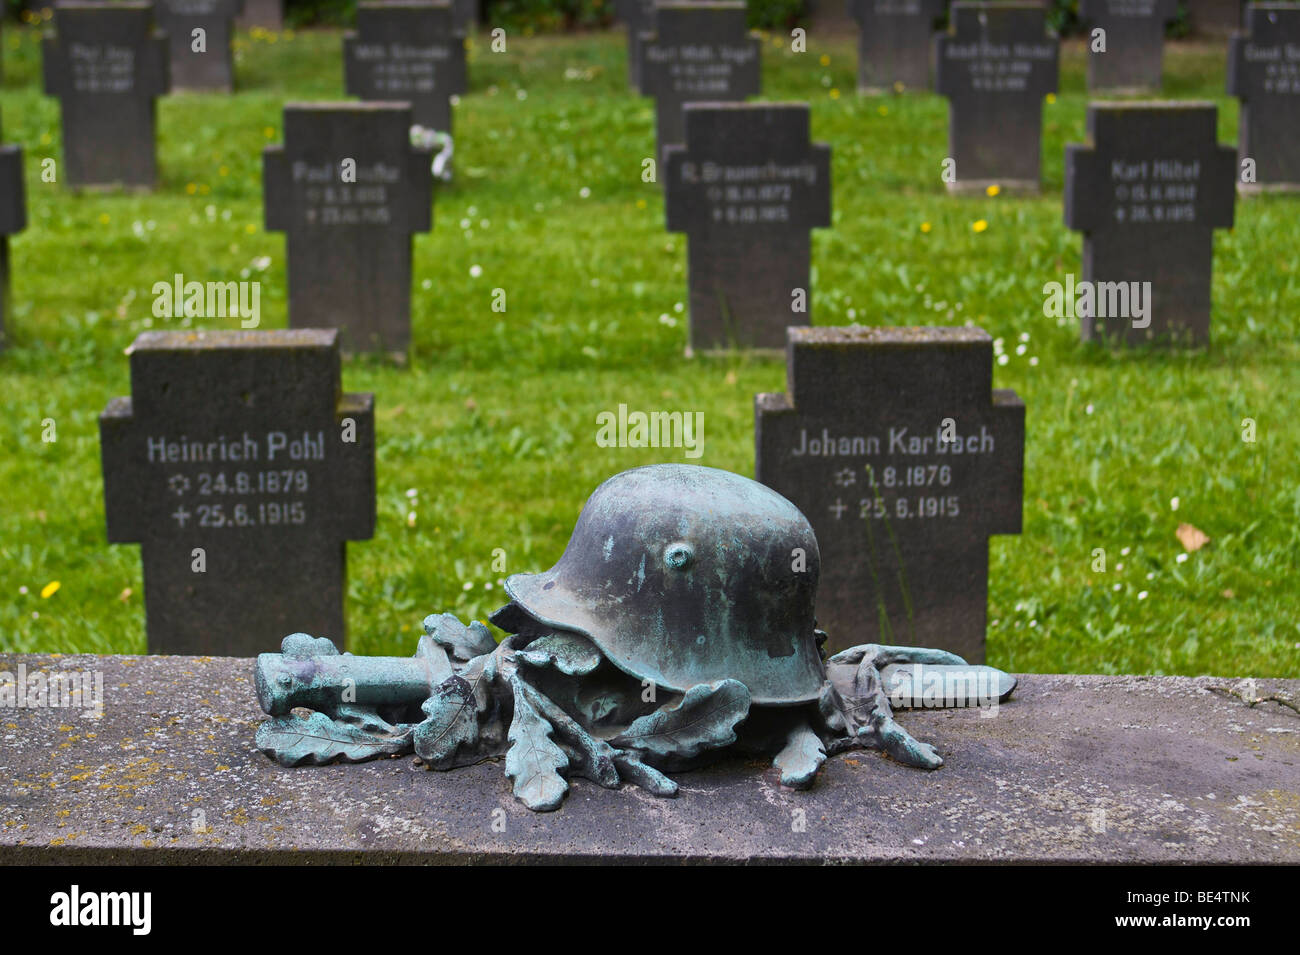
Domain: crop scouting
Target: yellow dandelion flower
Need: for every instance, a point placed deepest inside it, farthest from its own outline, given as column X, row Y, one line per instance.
column 250, row 228
column 46, row 139
column 268, row 132
column 50, row 589
column 979, row 225
column 993, row 190
column 882, row 110
column 1051, row 98
column 898, row 86
column 223, row 171
column 103, row 218
column 191, row 188
column 825, row 60
column 926, row 227
column 640, row 203
column 835, row 94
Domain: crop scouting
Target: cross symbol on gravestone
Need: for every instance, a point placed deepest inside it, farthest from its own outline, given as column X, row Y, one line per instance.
column 1135, row 43
column 700, row 52
column 1148, row 194
column 214, row 67
column 909, row 563
column 995, row 69
column 895, row 41
column 349, row 243
column 255, row 423
column 407, row 51
column 747, row 188
column 13, row 218
column 106, row 65
column 1264, row 73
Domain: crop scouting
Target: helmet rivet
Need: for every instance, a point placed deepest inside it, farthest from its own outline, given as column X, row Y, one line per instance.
column 679, row 556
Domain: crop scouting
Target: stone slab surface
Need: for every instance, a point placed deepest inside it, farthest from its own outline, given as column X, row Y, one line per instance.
column 1074, row 769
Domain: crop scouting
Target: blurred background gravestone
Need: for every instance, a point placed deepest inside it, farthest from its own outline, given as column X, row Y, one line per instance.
column 348, row 190
column 1264, row 73
column 895, row 43
column 746, row 188
column 1148, row 193
column 1133, row 60
column 107, row 66
column 199, row 34
column 407, row 50
column 700, row 52
column 995, row 68
column 13, row 218
column 263, row 14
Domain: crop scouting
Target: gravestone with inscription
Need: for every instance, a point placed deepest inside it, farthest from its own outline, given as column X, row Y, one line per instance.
column 895, row 42
column 107, row 66
column 198, row 37
column 1133, row 59
column 995, row 68
column 13, row 218
column 241, row 469
column 1264, row 73
column 700, row 52
column 1148, row 192
column 639, row 18
column 407, row 50
column 262, row 14
column 746, row 188
column 894, row 444
column 348, row 189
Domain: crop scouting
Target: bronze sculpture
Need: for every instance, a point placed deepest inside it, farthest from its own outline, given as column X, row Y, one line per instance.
column 677, row 625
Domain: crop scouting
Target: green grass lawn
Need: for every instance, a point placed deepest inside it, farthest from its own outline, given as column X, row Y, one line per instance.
column 488, row 438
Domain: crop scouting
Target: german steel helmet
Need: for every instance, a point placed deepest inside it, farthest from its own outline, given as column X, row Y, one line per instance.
column 682, row 575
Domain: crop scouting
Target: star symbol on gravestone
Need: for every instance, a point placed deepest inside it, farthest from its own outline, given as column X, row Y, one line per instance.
column 845, row 477
column 181, row 516
column 179, row 484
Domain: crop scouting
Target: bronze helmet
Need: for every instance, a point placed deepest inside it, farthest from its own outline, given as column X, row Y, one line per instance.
column 682, row 575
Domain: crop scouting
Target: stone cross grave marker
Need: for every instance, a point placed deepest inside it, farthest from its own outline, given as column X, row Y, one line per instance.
column 241, row 470
column 107, row 66
column 995, row 69
column 1147, row 193
column 1264, row 73
column 895, row 42
column 407, row 50
column 262, row 14
column 894, row 444
column 1135, row 42
column 700, row 52
column 746, row 188
column 349, row 242
column 212, row 67
column 13, row 218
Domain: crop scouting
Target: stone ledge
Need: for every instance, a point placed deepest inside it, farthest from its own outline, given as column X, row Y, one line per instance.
column 1176, row 773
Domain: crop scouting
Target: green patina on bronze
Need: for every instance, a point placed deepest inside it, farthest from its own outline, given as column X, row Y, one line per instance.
column 678, row 624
